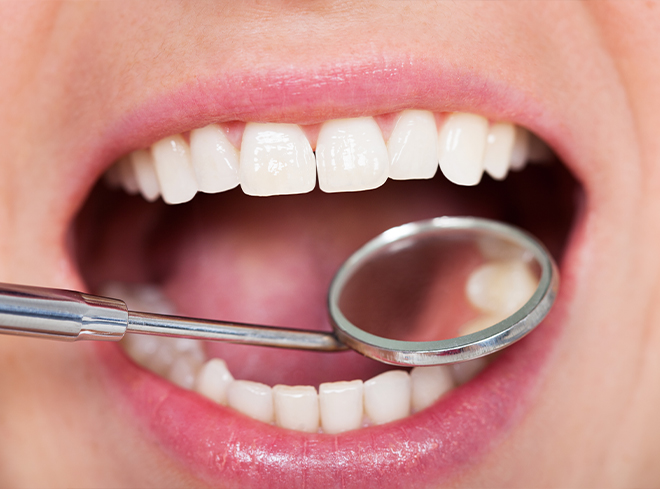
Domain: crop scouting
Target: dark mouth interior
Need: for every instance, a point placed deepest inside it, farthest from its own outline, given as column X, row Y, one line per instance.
column 270, row 260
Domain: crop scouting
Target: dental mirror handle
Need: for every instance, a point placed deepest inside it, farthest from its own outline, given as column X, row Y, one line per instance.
column 70, row 316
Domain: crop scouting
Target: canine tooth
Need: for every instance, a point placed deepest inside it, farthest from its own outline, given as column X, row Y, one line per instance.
column 296, row 407
column 252, row 399
column 499, row 145
column 461, row 146
column 174, row 169
column 520, row 151
column 413, row 146
column 466, row 371
column 214, row 159
column 127, row 176
column 145, row 174
column 428, row 384
column 184, row 371
column 387, row 396
column 213, row 380
column 276, row 159
column 351, row 155
column 501, row 287
column 341, row 406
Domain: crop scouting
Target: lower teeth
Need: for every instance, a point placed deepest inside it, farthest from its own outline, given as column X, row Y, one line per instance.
column 495, row 290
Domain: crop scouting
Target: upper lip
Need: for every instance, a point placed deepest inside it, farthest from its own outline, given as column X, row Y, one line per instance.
column 434, row 444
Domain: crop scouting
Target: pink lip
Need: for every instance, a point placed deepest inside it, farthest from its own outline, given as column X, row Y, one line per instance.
column 220, row 445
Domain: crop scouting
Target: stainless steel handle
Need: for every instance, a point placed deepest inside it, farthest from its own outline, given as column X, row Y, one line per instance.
column 60, row 314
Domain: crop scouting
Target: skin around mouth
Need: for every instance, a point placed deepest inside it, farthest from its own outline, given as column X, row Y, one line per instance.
column 570, row 405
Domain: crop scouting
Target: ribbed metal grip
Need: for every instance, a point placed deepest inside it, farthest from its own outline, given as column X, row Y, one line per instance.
column 60, row 314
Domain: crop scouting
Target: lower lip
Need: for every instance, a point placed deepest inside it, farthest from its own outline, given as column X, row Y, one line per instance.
column 221, row 445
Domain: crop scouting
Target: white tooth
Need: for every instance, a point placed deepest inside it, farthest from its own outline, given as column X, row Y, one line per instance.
column 413, row 146
column 145, row 174
column 499, row 145
column 141, row 347
column 214, row 159
column 501, row 287
column 213, row 380
column 139, row 297
column 184, row 371
column 428, row 384
column 276, row 159
column 461, row 146
column 351, row 155
column 466, row 371
column 479, row 323
column 341, row 406
column 296, row 407
column 252, row 399
column 520, row 151
column 176, row 175
column 127, row 176
column 387, row 396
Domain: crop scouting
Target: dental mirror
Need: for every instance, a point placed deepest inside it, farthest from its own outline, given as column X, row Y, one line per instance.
column 433, row 292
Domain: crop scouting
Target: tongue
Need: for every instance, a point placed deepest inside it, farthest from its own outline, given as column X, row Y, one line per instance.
column 270, row 261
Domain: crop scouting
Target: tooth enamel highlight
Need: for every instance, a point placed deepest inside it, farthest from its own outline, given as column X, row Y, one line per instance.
column 501, row 287
column 351, row 155
column 429, row 384
column 252, row 399
column 145, row 174
column 413, row 146
column 276, row 159
column 461, row 147
column 499, row 145
column 520, row 150
column 127, row 177
column 213, row 380
column 387, row 396
column 341, row 406
column 296, row 407
column 176, row 175
column 214, row 159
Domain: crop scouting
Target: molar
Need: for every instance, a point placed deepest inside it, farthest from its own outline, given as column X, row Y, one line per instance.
column 351, row 155
column 214, row 159
column 461, row 147
column 413, row 146
column 174, row 169
column 276, row 159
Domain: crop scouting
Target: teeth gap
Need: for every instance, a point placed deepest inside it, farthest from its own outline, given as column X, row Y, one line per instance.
column 495, row 289
column 344, row 154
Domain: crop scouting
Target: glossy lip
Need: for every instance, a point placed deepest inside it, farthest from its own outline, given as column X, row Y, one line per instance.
column 435, row 445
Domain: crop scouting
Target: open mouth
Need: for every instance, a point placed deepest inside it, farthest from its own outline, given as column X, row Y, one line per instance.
column 248, row 236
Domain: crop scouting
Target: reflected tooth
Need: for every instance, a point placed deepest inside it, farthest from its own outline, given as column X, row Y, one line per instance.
column 127, row 176
column 296, row 407
column 479, row 323
column 466, row 371
column 252, row 399
column 184, row 371
column 499, row 145
column 351, row 155
column 413, row 146
column 387, row 396
column 176, row 175
column 341, row 406
column 461, row 147
column 428, row 384
column 501, row 287
column 520, row 151
column 214, row 159
column 145, row 174
column 276, row 159
column 213, row 380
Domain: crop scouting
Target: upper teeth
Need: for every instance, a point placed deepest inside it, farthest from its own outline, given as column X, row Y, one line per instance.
column 351, row 155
